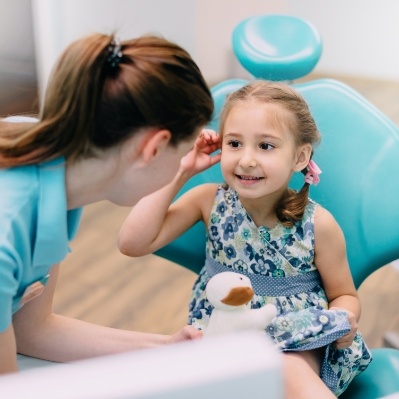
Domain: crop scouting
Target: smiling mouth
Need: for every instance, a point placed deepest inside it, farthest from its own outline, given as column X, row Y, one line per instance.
column 249, row 177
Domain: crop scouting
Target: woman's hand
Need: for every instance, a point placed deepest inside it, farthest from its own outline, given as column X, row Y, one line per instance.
column 346, row 340
column 187, row 333
column 200, row 157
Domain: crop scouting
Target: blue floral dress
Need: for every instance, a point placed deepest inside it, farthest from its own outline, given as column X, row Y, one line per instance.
column 280, row 265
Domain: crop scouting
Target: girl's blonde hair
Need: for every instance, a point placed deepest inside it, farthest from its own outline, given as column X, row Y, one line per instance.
column 292, row 205
column 91, row 104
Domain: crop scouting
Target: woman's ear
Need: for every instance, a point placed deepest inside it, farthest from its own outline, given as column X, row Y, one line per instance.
column 304, row 153
column 153, row 144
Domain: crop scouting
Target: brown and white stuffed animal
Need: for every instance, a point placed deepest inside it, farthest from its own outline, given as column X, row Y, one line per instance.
column 230, row 293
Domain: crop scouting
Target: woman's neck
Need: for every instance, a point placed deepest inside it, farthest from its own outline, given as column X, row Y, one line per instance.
column 88, row 181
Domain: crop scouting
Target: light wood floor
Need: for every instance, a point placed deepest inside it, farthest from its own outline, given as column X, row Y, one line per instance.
column 100, row 285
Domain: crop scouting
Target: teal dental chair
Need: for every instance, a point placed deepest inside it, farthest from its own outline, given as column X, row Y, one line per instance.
column 359, row 156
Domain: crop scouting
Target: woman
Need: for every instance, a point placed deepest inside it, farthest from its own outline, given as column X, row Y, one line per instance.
column 116, row 119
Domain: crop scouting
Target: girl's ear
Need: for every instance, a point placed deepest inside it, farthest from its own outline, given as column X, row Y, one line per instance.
column 304, row 153
column 153, row 145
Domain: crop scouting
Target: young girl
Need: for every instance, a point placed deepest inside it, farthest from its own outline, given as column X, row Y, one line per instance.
column 114, row 115
column 291, row 248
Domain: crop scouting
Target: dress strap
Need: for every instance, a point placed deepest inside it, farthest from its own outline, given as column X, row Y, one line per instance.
column 268, row 285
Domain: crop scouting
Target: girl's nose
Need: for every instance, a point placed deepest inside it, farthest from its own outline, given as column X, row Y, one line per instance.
column 247, row 160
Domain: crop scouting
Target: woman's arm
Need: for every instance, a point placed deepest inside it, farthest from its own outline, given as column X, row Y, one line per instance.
column 332, row 263
column 154, row 222
column 45, row 335
column 8, row 355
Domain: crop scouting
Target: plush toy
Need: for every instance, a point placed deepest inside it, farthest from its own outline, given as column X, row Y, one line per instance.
column 230, row 293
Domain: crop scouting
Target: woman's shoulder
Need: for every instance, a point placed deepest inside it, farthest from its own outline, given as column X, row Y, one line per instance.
column 18, row 178
column 21, row 186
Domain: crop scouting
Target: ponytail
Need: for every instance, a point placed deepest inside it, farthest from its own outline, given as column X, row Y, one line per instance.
column 66, row 121
column 93, row 103
column 291, row 207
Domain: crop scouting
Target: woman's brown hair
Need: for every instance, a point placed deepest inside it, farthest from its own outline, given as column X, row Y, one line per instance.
column 92, row 104
column 291, row 206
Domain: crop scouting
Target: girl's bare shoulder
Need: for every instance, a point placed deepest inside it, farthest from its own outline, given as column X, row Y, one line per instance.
column 203, row 193
column 325, row 225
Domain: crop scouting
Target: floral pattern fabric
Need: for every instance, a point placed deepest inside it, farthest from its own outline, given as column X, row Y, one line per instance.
column 303, row 322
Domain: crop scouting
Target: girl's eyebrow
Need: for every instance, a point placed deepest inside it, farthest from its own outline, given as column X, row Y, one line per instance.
column 266, row 136
column 231, row 134
column 262, row 136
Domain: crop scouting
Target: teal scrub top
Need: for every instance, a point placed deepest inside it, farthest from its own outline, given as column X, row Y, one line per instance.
column 35, row 229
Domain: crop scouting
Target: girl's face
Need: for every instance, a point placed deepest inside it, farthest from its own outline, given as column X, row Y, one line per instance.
column 259, row 154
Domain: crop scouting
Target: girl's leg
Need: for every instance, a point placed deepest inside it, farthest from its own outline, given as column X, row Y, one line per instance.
column 302, row 376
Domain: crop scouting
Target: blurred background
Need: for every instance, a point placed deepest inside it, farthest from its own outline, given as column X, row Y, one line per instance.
column 360, row 48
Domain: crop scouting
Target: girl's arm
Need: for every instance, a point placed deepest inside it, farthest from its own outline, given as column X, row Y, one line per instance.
column 154, row 221
column 45, row 335
column 332, row 263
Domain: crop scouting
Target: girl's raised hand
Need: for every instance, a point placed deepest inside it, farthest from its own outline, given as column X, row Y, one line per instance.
column 201, row 157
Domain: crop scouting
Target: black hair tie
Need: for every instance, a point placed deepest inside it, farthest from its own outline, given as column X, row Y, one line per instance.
column 114, row 53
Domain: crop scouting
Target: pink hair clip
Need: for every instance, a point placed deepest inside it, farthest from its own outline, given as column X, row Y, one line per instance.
column 312, row 177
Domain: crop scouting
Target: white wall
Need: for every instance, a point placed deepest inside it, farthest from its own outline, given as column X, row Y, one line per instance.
column 215, row 22
column 16, row 39
column 59, row 22
column 203, row 27
column 361, row 38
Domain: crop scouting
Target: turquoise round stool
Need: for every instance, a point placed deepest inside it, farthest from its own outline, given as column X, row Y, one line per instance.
column 277, row 47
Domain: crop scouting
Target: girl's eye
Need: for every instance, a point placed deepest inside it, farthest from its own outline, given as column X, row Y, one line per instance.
column 234, row 143
column 266, row 146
